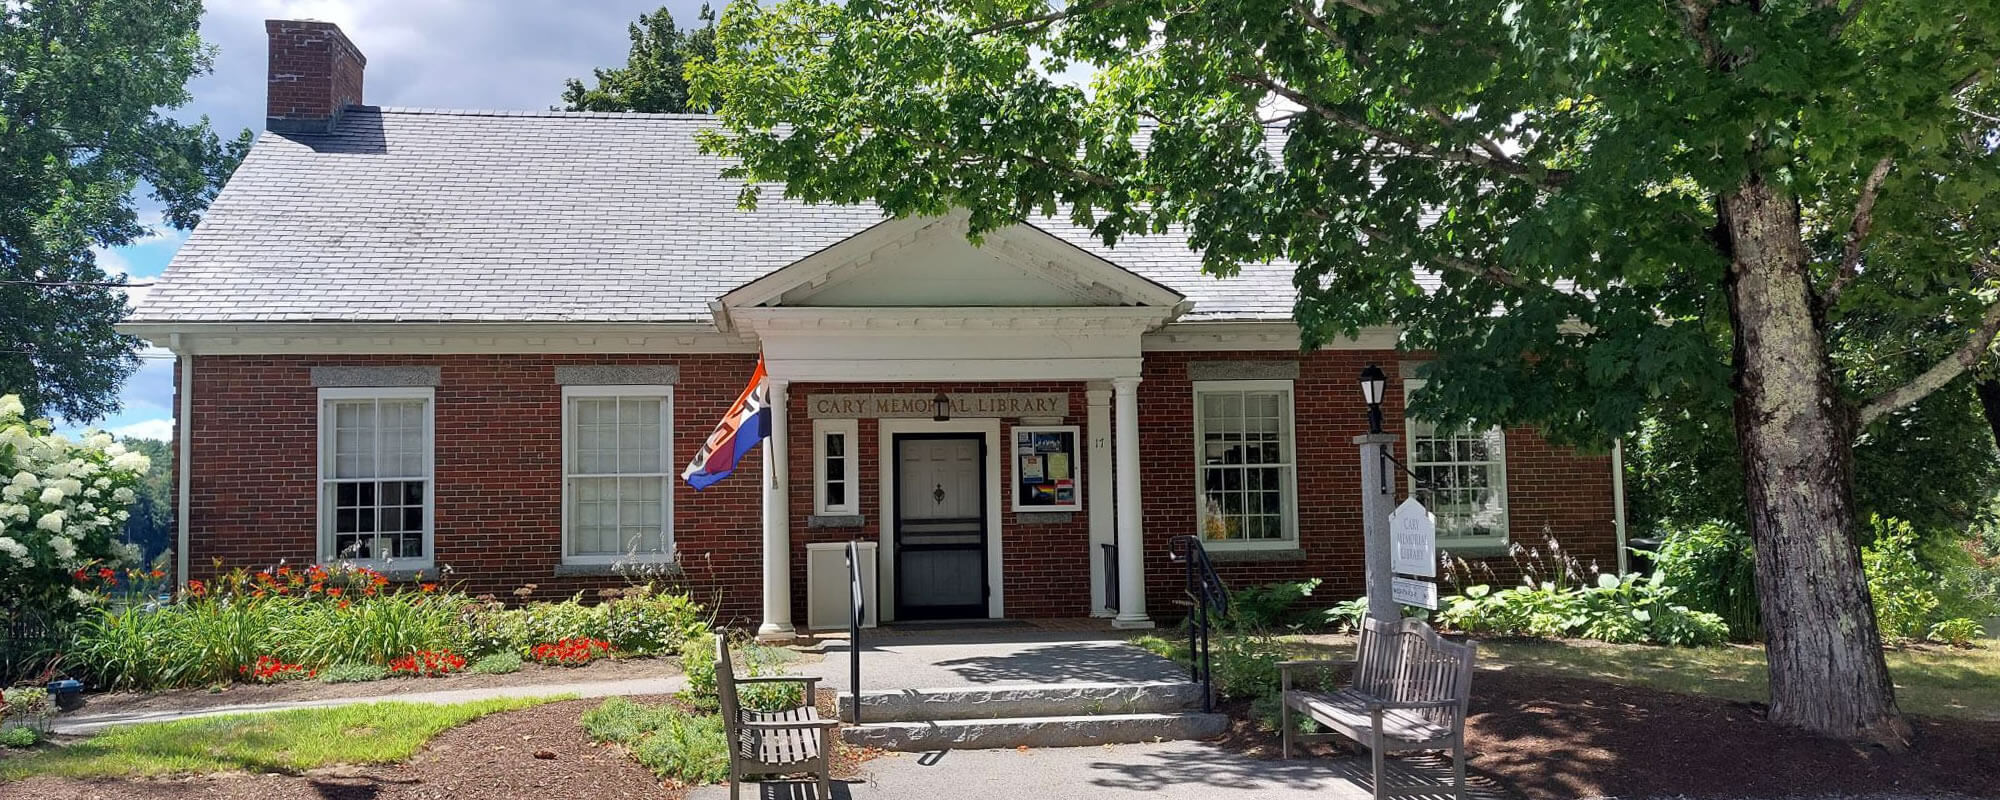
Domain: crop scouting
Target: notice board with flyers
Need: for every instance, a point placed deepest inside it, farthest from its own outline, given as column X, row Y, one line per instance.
column 1048, row 468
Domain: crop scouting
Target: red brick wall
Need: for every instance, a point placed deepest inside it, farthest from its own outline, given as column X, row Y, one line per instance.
column 1553, row 488
column 498, row 470
column 498, row 467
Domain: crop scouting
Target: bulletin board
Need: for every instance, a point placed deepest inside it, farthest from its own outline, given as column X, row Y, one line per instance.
column 1048, row 468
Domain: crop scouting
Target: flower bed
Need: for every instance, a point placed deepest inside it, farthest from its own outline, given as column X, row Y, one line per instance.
column 271, row 669
column 572, row 652
column 427, row 664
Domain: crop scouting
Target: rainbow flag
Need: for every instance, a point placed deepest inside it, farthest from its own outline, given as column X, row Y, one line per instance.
column 746, row 424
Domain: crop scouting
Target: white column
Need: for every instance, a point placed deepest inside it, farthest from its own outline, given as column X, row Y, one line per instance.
column 1131, row 539
column 777, row 523
column 1099, row 494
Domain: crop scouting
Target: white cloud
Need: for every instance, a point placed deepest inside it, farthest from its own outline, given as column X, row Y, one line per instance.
column 111, row 261
column 161, row 429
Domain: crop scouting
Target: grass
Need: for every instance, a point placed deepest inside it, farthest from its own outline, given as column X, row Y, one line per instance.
column 1930, row 681
column 282, row 741
column 676, row 744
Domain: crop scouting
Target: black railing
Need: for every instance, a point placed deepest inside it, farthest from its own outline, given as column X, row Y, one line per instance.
column 857, row 610
column 1110, row 550
column 1208, row 602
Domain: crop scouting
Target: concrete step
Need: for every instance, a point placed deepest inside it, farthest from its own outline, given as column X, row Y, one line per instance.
column 1067, row 731
column 1024, row 700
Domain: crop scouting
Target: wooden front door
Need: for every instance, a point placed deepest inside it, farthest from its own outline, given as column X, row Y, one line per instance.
column 940, row 526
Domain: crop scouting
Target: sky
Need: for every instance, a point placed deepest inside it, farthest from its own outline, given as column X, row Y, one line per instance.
column 482, row 54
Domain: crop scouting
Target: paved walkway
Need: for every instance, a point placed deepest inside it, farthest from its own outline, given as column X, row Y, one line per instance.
column 1171, row 770
column 73, row 724
column 973, row 656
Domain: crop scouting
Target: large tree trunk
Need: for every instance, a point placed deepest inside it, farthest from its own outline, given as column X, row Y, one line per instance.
column 1795, row 433
column 1988, row 390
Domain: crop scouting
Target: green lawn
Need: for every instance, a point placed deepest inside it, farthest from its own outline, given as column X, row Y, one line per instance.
column 1929, row 681
column 280, row 741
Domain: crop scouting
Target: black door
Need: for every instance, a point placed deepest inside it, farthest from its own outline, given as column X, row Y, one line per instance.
column 940, row 525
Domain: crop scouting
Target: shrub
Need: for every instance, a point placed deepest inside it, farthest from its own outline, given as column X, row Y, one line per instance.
column 1713, row 568
column 1897, row 581
column 698, row 663
column 353, row 673
column 497, row 664
column 672, row 742
column 28, row 707
column 19, row 737
column 1246, row 665
column 574, row 652
column 1272, row 606
column 63, row 507
column 1626, row 610
column 427, row 664
column 1957, row 632
column 646, row 621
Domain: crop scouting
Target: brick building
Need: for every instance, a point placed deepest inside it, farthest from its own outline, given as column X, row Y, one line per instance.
column 489, row 341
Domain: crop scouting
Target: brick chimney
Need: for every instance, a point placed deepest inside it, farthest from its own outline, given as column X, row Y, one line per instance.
column 315, row 74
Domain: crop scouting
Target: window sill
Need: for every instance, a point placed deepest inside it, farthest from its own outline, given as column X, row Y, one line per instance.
column 1256, row 555
column 400, row 572
column 670, row 568
column 1473, row 549
column 828, row 521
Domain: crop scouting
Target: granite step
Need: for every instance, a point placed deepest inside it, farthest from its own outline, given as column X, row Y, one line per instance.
column 1059, row 731
column 1023, row 700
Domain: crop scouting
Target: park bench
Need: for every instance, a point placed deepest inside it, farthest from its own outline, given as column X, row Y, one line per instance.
column 1408, row 691
column 794, row 741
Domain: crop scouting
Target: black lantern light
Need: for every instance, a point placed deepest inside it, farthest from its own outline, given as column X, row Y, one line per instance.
column 1372, row 383
column 941, row 408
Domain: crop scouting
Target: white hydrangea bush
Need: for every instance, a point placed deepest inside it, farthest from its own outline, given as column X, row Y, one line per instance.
column 63, row 506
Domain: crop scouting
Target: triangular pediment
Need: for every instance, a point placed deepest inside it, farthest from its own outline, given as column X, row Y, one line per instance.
column 929, row 263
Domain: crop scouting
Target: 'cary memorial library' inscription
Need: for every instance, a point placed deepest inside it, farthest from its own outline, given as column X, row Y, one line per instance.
column 918, row 404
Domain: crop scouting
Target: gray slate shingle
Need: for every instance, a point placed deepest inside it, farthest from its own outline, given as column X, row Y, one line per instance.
column 424, row 215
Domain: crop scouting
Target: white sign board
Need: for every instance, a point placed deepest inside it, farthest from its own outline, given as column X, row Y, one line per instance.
column 1422, row 594
column 1413, row 540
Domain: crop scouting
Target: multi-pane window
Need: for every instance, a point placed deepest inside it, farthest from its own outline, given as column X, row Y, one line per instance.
column 375, row 474
column 616, row 496
column 834, row 488
column 1462, row 479
column 1243, row 436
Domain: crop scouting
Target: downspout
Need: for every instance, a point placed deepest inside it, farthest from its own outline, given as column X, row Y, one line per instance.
column 184, row 449
column 1618, row 499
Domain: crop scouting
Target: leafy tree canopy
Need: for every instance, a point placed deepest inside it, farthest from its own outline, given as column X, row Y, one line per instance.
column 652, row 78
column 1556, row 161
column 82, row 87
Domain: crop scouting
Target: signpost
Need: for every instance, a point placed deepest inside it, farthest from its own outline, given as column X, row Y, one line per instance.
column 1413, row 552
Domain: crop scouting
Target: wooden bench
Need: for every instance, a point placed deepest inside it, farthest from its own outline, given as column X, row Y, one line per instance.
column 1409, row 691
column 772, row 743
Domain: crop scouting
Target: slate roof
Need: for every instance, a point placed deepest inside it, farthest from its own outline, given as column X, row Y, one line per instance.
column 422, row 215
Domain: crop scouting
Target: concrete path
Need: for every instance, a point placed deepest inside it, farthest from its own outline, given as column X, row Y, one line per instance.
column 972, row 657
column 75, row 724
column 1168, row 770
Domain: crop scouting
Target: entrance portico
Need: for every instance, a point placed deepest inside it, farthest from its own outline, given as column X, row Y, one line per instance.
column 911, row 303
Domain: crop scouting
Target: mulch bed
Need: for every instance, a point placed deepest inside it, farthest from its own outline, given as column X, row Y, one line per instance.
column 531, row 754
column 1550, row 738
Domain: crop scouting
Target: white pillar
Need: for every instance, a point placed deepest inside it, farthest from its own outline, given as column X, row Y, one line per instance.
column 777, row 523
column 1131, row 538
column 1378, row 498
column 1099, row 494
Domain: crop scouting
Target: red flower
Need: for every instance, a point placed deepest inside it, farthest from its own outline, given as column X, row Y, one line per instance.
column 157, row 573
column 269, row 669
column 197, row 588
column 428, row 588
column 343, row 602
column 333, row 593
column 80, row 576
column 427, row 663
column 107, row 573
column 572, row 652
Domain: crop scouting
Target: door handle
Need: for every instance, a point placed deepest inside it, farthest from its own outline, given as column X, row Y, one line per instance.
column 937, row 495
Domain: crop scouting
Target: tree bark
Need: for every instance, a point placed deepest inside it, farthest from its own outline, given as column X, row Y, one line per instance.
column 1826, row 667
column 1988, row 390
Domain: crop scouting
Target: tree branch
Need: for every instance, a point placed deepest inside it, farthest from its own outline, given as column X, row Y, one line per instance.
column 1847, row 18
column 1488, row 272
column 1552, row 180
column 1043, row 20
column 1977, row 344
column 1857, row 230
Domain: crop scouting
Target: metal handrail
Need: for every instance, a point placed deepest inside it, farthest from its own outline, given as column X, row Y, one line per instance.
column 856, row 611
column 1209, row 599
column 1110, row 550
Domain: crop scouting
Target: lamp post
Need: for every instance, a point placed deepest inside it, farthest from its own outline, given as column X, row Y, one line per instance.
column 1372, row 383
column 941, row 408
column 1377, row 498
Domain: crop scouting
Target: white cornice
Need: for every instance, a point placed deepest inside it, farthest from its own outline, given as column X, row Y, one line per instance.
column 904, row 321
column 349, row 338
column 1274, row 335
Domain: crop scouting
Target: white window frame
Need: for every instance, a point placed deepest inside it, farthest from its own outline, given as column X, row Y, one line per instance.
column 851, row 430
column 1461, row 542
column 1288, row 444
column 661, row 392
column 324, row 524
